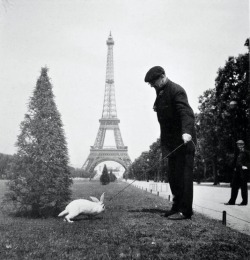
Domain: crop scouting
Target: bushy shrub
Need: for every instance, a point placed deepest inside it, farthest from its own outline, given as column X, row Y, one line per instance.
column 104, row 178
column 112, row 176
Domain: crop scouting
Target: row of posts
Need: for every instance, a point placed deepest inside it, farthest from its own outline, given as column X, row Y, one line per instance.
column 224, row 213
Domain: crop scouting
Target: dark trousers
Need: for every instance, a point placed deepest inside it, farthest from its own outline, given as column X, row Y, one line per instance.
column 239, row 182
column 180, row 176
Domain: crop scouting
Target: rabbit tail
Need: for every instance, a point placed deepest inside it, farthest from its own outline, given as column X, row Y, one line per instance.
column 63, row 213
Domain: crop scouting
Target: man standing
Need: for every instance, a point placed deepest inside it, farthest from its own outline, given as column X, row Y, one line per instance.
column 176, row 119
column 240, row 175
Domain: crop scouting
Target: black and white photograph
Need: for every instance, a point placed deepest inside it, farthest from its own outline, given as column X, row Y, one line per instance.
column 124, row 129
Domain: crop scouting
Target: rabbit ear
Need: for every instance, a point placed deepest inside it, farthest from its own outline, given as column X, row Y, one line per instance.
column 102, row 197
column 94, row 199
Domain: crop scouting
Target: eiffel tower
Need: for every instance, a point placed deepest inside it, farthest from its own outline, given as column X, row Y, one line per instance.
column 109, row 121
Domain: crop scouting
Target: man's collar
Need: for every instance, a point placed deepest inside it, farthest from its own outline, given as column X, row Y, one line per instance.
column 166, row 82
column 161, row 90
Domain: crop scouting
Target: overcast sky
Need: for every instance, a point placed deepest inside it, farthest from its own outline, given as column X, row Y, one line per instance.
column 191, row 39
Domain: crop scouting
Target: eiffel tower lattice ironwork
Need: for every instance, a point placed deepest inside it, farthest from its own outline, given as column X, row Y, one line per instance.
column 109, row 121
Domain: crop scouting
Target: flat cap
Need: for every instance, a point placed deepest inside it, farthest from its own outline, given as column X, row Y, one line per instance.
column 240, row 142
column 154, row 73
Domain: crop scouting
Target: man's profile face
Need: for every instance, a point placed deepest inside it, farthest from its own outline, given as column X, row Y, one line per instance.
column 240, row 147
column 158, row 83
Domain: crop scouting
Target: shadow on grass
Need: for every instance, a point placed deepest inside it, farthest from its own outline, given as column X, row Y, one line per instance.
column 87, row 218
column 152, row 210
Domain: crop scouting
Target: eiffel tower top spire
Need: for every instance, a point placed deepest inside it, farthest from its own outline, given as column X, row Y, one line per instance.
column 110, row 40
column 109, row 105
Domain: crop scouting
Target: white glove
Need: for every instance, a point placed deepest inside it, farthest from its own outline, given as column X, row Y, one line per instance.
column 186, row 138
column 244, row 167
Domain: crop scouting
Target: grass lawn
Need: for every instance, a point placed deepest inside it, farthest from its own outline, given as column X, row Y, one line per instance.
column 132, row 227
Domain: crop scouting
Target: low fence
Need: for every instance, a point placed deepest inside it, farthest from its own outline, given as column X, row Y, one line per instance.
column 152, row 186
column 163, row 190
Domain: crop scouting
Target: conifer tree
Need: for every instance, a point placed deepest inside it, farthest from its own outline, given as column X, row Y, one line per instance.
column 41, row 181
column 112, row 176
column 105, row 176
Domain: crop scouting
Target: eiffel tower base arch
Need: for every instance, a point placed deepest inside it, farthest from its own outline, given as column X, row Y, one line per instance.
column 97, row 156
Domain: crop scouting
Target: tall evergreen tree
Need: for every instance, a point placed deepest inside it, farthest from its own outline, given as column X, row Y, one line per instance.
column 112, row 176
column 41, row 182
column 104, row 179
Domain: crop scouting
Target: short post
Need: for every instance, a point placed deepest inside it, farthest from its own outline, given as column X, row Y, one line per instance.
column 224, row 217
column 157, row 193
column 151, row 190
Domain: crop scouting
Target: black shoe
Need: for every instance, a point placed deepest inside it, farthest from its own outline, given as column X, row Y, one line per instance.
column 242, row 204
column 179, row 216
column 228, row 203
column 169, row 213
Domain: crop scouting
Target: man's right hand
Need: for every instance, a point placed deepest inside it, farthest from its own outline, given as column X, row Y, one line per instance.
column 186, row 138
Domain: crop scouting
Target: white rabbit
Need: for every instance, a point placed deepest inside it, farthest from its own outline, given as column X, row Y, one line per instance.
column 82, row 206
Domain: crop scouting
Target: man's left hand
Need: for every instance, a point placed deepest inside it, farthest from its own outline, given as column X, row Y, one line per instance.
column 186, row 138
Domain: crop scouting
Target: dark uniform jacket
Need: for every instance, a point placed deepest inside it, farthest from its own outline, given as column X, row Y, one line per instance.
column 242, row 159
column 174, row 114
